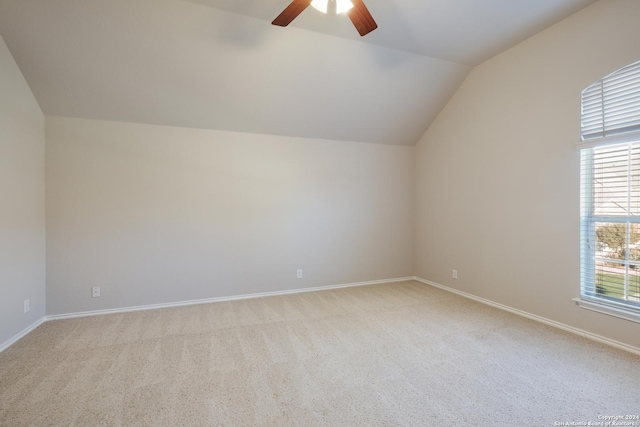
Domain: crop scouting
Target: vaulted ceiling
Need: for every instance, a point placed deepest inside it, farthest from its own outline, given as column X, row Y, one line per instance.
column 220, row 64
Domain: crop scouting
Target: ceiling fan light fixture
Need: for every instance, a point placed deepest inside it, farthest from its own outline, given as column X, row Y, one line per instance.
column 323, row 5
column 343, row 6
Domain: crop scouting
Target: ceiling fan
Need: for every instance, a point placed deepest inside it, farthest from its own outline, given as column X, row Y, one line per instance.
column 357, row 11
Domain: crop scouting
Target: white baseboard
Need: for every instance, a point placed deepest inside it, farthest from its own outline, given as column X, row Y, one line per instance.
column 11, row 341
column 544, row 320
column 222, row 299
column 21, row 334
column 589, row 335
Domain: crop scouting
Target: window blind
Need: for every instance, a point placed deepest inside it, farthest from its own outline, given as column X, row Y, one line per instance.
column 610, row 190
column 610, row 203
column 611, row 106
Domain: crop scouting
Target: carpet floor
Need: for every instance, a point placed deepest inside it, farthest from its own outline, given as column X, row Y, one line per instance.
column 400, row 354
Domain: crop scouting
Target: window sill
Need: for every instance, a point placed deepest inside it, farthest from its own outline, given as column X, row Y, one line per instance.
column 608, row 309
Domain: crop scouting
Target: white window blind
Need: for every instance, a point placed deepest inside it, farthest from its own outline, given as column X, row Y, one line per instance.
column 611, row 106
column 610, row 191
column 611, row 225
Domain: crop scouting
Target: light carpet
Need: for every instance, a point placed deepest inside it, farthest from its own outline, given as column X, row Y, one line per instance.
column 400, row 354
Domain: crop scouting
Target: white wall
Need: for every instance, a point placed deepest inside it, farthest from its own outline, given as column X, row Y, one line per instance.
column 497, row 173
column 156, row 214
column 22, row 232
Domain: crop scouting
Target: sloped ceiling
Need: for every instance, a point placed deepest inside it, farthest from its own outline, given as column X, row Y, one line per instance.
column 220, row 64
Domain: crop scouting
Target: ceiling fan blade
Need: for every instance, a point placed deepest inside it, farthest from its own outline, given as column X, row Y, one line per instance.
column 361, row 18
column 291, row 12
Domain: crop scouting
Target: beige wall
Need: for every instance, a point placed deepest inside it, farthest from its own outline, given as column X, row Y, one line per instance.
column 22, row 233
column 156, row 214
column 497, row 192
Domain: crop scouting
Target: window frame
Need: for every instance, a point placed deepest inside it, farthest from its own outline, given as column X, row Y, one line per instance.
column 613, row 136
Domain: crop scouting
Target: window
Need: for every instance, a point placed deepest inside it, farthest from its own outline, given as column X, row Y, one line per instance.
column 610, row 195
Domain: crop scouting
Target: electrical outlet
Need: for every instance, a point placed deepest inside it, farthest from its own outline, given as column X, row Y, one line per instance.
column 26, row 306
column 455, row 274
column 299, row 274
column 95, row 292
